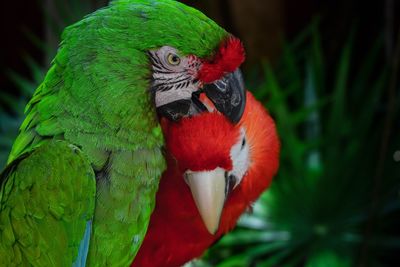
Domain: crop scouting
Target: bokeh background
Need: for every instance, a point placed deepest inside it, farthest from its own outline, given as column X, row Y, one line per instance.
column 328, row 71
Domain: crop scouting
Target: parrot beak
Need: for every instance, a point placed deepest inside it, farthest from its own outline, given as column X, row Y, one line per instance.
column 209, row 193
column 228, row 95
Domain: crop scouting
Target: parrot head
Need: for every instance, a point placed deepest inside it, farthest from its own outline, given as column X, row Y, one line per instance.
column 171, row 50
column 215, row 170
column 178, row 80
column 223, row 162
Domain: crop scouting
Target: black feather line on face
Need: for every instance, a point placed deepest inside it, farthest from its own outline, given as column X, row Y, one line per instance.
column 158, row 70
column 176, row 81
column 154, row 59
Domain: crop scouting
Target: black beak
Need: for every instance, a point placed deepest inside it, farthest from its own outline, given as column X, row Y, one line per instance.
column 228, row 95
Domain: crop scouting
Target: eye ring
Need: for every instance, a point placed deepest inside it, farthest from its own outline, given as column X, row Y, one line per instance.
column 173, row 59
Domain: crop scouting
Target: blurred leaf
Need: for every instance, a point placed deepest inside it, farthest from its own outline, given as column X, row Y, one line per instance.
column 328, row 259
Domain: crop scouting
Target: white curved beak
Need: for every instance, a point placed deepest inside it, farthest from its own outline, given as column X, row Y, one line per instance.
column 208, row 190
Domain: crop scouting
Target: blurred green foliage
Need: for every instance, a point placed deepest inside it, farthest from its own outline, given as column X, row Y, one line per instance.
column 329, row 205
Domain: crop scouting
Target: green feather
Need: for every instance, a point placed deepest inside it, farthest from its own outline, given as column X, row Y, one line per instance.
column 96, row 97
column 46, row 199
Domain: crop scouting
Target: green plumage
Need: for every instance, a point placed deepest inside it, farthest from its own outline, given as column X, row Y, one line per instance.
column 46, row 200
column 95, row 97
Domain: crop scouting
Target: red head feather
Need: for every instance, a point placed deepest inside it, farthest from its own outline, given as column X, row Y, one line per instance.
column 202, row 142
column 228, row 58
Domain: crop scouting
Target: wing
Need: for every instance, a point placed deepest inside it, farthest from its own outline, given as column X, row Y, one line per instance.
column 46, row 205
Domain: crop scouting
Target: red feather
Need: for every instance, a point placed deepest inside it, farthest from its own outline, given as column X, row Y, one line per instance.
column 202, row 142
column 176, row 232
column 228, row 58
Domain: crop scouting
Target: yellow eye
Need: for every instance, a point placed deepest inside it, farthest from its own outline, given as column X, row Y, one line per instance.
column 173, row 59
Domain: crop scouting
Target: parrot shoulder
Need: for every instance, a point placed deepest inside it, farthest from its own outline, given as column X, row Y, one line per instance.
column 46, row 206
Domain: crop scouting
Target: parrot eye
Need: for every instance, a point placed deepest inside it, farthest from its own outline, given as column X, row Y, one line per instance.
column 173, row 59
column 243, row 143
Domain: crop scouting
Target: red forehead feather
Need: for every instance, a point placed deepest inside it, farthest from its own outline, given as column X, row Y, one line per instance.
column 202, row 142
column 228, row 58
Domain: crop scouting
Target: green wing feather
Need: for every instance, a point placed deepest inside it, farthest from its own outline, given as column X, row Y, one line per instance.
column 46, row 199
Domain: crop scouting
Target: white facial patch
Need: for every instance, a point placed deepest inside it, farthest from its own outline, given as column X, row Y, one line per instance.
column 165, row 97
column 240, row 156
column 174, row 77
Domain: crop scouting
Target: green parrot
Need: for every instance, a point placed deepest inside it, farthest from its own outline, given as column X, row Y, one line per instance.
column 81, row 179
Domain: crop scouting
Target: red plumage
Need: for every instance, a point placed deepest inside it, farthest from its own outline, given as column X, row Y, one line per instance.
column 176, row 232
column 228, row 58
column 196, row 143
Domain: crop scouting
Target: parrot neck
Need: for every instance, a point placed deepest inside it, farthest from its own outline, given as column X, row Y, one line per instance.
column 125, row 198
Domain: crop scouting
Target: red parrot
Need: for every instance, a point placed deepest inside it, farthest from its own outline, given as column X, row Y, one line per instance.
column 216, row 170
